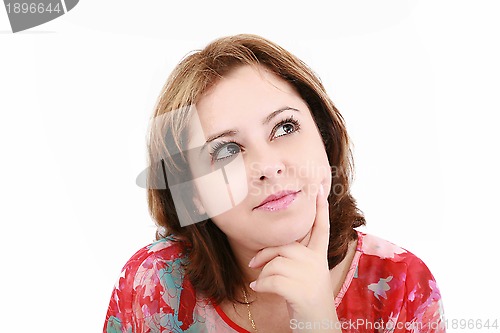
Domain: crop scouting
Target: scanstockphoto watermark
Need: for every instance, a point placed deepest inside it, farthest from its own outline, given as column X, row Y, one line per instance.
column 309, row 170
column 337, row 189
column 28, row 14
column 364, row 325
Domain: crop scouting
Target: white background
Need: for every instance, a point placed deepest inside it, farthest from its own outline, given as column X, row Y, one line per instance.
column 417, row 82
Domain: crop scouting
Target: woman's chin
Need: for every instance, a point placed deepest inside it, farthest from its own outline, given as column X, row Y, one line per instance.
column 290, row 235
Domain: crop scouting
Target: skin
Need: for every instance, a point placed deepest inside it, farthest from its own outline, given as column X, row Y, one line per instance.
column 282, row 253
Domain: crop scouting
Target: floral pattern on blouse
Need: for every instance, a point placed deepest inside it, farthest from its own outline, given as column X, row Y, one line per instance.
column 387, row 289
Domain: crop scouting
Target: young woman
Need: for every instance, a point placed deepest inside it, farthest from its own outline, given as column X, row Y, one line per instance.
column 249, row 185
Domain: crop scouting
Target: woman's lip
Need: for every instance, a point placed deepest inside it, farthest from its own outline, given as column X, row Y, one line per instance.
column 281, row 202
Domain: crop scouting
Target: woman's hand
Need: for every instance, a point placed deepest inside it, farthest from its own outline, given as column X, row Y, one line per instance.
column 300, row 274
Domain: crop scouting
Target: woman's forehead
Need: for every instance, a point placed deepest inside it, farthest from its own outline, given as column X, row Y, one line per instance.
column 246, row 91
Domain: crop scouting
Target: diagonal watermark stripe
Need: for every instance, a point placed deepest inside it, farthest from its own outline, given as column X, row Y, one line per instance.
column 221, row 187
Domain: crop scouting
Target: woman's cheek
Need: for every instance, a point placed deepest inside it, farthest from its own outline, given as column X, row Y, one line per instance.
column 224, row 188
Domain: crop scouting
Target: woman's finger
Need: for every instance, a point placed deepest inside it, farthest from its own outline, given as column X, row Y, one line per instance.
column 291, row 251
column 280, row 266
column 320, row 234
column 276, row 284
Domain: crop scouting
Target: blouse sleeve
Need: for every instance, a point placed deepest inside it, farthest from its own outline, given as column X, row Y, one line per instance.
column 147, row 297
column 424, row 310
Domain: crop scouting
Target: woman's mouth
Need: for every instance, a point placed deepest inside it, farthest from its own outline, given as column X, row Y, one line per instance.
column 278, row 201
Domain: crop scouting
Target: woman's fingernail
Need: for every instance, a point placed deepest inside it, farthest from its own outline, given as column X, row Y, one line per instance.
column 251, row 262
column 252, row 285
column 321, row 189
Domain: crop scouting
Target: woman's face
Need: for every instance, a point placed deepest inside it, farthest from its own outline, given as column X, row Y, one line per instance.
column 260, row 140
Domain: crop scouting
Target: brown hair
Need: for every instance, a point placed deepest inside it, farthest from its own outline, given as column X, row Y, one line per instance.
column 211, row 266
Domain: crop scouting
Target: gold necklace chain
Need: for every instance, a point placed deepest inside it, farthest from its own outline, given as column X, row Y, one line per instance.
column 249, row 312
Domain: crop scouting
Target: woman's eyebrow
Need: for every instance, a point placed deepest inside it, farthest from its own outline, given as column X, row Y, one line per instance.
column 277, row 112
column 234, row 132
column 212, row 138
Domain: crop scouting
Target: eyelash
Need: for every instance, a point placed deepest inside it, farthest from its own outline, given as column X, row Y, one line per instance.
column 219, row 145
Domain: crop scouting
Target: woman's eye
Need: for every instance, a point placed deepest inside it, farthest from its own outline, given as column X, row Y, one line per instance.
column 225, row 151
column 286, row 128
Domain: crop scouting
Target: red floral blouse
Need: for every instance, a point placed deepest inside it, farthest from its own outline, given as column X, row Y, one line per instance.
column 387, row 289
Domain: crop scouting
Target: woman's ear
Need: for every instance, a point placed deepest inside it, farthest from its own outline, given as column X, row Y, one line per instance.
column 199, row 206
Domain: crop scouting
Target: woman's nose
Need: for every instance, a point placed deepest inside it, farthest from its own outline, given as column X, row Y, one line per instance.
column 267, row 165
column 271, row 171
